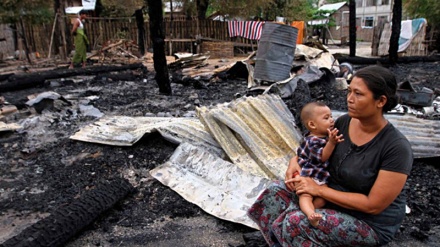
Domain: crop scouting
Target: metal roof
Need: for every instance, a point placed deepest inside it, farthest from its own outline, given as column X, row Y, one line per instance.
column 423, row 134
column 333, row 6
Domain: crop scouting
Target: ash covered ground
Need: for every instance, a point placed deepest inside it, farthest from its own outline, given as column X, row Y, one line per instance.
column 42, row 170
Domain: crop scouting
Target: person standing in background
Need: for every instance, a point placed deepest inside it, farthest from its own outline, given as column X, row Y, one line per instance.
column 80, row 40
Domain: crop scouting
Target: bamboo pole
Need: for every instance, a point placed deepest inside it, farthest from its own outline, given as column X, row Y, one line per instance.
column 51, row 36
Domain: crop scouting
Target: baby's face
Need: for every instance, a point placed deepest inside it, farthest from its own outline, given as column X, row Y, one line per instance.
column 323, row 120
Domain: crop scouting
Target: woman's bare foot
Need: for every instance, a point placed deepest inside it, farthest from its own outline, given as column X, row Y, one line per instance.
column 314, row 219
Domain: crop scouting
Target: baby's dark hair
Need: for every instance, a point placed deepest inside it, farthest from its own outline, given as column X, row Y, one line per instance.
column 380, row 81
column 307, row 111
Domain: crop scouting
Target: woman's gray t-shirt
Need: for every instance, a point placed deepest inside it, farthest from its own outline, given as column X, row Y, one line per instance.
column 355, row 169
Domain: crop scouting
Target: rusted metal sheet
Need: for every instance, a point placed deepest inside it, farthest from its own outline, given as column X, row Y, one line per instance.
column 217, row 186
column 257, row 133
column 423, row 134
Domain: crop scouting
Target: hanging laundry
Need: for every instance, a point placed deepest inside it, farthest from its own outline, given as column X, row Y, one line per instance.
column 245, row 29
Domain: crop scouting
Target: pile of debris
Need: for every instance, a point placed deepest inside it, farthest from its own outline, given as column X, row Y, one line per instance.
column 117, row 51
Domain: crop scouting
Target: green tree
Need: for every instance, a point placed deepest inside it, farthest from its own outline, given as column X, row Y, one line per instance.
column 336, row 1
column 36, row 11
column 429, row 9
column 241, row 8
column 120, row 8
column 267, row 9
column 291, row 9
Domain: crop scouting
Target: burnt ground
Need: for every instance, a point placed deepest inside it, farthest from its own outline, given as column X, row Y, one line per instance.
column 42, row 170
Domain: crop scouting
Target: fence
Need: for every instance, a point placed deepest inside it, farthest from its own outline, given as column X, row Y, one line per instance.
column 180, row 35
column 6, row 41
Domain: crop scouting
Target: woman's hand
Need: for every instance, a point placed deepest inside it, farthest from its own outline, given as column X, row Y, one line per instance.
column 293, row 170
column 306, row 185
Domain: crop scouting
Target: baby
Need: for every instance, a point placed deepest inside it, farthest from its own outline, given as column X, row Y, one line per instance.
column 314, row 152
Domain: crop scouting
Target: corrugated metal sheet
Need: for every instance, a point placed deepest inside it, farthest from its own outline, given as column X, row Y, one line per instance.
column 257, row 133
column 423, row 134
column 217, row 186
column 125, row 131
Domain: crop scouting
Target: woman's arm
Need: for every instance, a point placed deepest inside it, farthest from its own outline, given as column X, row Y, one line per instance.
column 291, row 172
column 385, row 190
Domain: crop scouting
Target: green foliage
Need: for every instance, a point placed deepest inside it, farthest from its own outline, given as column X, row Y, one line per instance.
column 429, row 9
column 35, row 11
column 190, row 8
column 240, row 8
column 120, row 8
column 291, row 9
column 323, row 14
column 336, row 1
column 265, row 9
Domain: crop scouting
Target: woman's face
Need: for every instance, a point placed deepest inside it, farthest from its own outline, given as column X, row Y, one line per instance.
column 360, row 100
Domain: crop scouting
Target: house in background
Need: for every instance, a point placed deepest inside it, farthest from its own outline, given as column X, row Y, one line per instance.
column 370, row 13
column 335, row 25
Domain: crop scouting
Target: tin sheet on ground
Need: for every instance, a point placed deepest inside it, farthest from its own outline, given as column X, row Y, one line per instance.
column 259, row 136
column 219, row 187
column 125, row 131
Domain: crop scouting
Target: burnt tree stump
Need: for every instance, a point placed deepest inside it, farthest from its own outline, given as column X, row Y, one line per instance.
column 158, row 37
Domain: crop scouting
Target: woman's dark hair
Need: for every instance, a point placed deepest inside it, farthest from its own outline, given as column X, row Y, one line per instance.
column 380, row 81
column 83, row 11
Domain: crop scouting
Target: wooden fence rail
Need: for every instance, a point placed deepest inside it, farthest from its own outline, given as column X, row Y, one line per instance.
column 180, row 35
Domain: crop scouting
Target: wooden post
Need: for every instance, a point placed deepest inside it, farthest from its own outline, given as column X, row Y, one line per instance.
column 51, row 37
column 24, row 39
column 158, row 38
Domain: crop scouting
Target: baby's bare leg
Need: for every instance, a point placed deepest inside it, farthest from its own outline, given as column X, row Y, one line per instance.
column 306, row 205
column 319, row 202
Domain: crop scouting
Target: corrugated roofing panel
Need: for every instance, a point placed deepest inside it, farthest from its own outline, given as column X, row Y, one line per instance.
column 423, row 134
column 217, row 186
column 257, row 133
column 125, row 131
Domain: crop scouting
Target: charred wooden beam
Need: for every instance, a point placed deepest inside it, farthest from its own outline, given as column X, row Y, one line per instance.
column 28, row 80
column 5, row 76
